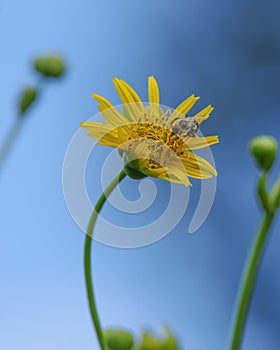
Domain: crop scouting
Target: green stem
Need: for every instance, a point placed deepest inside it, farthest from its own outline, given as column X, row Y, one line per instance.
column 262, row 192
column 248, row 282
column 87, row 257
column 9, row 140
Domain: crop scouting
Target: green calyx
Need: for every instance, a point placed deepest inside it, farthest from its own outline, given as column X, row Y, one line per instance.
column 117, row 339
column 264, row 150
column 274, row 196
column 132, row 167
column 132, row 171
column 49, row 66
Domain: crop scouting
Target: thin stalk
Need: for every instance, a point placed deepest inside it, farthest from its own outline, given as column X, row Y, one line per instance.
column 248, row 282
column 87, row 257
column 9, row 140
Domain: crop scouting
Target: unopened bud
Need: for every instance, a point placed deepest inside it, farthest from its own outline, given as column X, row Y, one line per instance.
column 49, row 66
column 117, row 339
column 149, row 342
column 264, row 150
column 27, row 98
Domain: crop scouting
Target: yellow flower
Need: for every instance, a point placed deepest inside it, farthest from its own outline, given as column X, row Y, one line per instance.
column 153, row 142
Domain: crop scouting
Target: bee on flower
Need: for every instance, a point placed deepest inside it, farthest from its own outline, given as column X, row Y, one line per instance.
column 153, row 142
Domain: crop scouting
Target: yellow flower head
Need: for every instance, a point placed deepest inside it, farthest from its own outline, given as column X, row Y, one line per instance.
column 153, row 142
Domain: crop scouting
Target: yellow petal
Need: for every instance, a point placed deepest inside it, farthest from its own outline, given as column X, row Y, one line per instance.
column 178, row 176
column 183, row 108
column 106, row 134
column 197, row 166
column 175, row 171
column 168, row 173
column 98, row 130
column 153, row 91
column 112, row 116
column 133, row 108
column 124, row 137
column 197, row 173
column 196, row 142
column 134, row 95
column 116, row 137
column 109, row 142
column 205, row 113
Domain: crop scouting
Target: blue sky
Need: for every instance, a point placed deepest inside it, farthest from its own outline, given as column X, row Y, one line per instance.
column 217, row 50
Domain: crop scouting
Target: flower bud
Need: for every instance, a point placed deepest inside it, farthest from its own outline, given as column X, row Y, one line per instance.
column 27, row 98
column 117, row 339
column 149, row 342
column 49, row 66
column 264, row 150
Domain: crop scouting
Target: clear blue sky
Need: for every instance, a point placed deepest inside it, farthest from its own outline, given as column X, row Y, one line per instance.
column 226, row 52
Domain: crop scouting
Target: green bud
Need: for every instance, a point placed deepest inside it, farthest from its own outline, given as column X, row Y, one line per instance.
column 149, row 342
column 117, row 339
column 170, row 342
column 264, row 150
column 49, row 66
column 28, row 96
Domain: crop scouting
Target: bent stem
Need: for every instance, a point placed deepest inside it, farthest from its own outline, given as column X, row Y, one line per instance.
column 87, row 257
column 248, row 282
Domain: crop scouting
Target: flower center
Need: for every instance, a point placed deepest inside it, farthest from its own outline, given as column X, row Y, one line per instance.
column 157, row 143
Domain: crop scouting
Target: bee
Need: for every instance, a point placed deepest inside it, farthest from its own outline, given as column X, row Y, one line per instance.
column 186, row 126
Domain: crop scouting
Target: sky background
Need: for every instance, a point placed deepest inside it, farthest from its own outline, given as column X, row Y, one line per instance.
column 227, row 52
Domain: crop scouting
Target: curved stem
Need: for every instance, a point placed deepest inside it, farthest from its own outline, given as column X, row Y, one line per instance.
column 87, row 257
column 9, row 140
column 248, row 282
